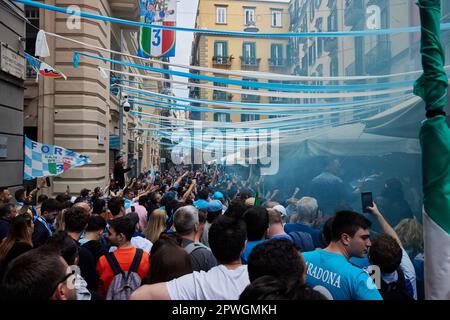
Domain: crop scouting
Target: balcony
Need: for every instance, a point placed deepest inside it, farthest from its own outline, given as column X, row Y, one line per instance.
column 250, row 98
column 354, row 11
column 250, row 62
column 125, row 9
column 222, row 60
column 222, row 96
column 277, row 63
column 277, row 100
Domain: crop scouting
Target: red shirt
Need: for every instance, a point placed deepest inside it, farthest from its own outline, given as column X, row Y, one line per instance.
column 125, row 258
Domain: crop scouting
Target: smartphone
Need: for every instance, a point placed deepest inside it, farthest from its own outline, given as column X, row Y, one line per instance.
column 366, row 200
column 47, row 181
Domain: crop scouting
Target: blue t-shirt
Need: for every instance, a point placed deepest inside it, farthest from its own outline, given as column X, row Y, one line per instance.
column 333, row 276
column 316, row 234
column 248, row 249
column 283, row 236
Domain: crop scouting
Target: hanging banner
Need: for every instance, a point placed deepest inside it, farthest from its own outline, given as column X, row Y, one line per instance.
column 43, row 160
column 43, row 68
column 155, row 42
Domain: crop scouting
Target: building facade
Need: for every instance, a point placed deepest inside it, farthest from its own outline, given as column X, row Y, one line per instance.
column 239, row 53
column 12, row 76
column 82, row 113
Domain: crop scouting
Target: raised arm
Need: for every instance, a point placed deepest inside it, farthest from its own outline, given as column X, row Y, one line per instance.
column 157, row 291
column 385, row 226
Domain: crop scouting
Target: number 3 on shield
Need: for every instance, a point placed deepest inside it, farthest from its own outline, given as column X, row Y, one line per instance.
column 156, row 37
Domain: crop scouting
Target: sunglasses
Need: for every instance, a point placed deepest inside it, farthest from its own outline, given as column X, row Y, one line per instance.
column 65, row 278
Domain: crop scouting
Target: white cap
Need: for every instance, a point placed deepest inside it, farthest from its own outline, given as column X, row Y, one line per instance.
column 280, row 209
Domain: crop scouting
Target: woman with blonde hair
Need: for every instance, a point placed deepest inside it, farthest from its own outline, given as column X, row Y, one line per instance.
column 18, row 240
column 410, row 232
column 156, row 225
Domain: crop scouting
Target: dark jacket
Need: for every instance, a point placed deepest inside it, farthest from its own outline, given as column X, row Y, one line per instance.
column 4, row 228
column 40, row 234
column 17, row 249
column 119, row 174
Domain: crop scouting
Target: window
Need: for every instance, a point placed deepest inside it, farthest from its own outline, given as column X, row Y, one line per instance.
column 221, row 117
column 249, row 117
column 249, row 16
column 221, row 15
column 276, row 54
column 249, row 97
column 276, row 18
column 218, row 94
column 249, row 53
column 220, row 52
column 32, row 14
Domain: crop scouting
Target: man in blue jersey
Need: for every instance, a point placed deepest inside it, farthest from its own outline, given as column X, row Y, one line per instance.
column 328, row 270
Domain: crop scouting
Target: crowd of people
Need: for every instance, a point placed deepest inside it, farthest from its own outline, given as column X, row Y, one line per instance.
column 200, row 235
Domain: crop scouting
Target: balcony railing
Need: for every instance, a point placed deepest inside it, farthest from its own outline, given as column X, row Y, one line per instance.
column 250, row 98
column 250, row 61
column 222, row 96
column 277, row 62
column 222, row 60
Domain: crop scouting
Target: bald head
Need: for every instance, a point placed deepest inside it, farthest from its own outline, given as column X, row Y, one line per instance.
column 83, row 205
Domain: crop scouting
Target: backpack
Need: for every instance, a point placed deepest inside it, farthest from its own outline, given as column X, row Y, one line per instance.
column 123, row 283
column 194, row 246
column 303, row 240
column 395, row 290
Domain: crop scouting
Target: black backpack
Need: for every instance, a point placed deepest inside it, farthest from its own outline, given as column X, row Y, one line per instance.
column 395, row 290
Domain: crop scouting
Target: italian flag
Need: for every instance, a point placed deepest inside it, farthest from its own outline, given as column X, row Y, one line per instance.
column 435, row 144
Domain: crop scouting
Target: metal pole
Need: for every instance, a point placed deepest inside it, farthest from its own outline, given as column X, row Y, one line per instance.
column 120, row 101
column 120, row 121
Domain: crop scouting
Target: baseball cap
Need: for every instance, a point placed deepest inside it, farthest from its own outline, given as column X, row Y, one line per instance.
column 218, row 195
column 280, row 209
column 214, row 206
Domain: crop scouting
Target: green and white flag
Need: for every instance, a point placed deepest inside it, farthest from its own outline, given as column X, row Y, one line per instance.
column 435, row 144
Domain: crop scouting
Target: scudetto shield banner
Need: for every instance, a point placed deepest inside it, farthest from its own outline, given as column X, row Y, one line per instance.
column 154, row 42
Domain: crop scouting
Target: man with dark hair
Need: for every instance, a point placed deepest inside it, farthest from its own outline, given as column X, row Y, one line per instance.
column 120, row 232
column 328, row 270
column 277, row 270
column 91, row 241
column 278, row 258
column 38, row 275
column 43, row 224
column 116, row 206
column 398, row 277
column 5, row 195
column 76, row 220
column 7, row 213
column 225, row 282
column 202, row 202
column 257, row 222
column 61, row 243
column 119, row 172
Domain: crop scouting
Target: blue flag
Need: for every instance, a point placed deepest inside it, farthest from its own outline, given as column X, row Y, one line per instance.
column 43, row 160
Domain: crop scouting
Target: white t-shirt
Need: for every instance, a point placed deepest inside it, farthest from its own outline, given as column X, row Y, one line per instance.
column 139, row 243
column 219, row 283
